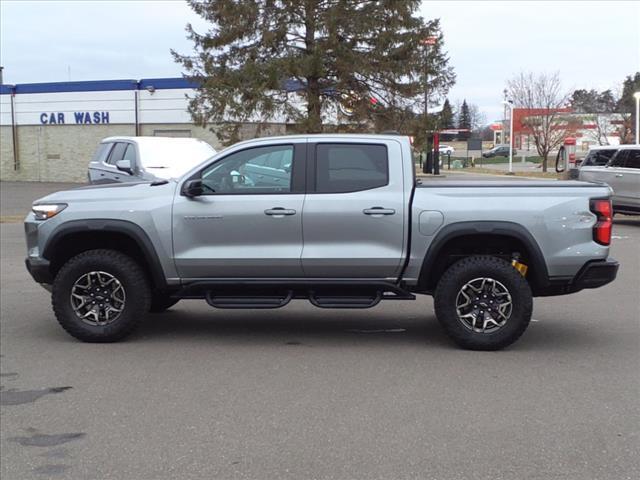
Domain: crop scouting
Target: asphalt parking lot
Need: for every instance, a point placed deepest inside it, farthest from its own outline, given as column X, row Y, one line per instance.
column 302, row 393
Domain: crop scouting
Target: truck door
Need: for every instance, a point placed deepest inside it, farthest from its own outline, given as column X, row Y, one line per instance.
column 246, row 224
column 613, row 175
column 354, row 211
column 628, row 179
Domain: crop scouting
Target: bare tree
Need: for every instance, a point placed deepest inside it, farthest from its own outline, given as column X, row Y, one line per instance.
column 605, row 126
column 543, row 95
column 476, row 117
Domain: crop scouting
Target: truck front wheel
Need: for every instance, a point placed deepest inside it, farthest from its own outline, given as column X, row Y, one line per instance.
column 483, row 303
column 100, row 295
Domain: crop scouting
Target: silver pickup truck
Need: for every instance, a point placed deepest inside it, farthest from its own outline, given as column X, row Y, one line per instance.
column 339, row 220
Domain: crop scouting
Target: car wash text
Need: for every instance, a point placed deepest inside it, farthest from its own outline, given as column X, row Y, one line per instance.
column 79, row 118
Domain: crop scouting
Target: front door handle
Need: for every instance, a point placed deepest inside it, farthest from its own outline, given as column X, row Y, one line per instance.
column 279, row 211
column 619, row 175
column 379, row 211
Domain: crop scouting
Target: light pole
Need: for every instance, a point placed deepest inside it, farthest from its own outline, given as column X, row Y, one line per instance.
column 509, row 103
column 637, row 97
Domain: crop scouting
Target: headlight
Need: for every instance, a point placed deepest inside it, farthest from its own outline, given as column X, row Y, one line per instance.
column 47, row 210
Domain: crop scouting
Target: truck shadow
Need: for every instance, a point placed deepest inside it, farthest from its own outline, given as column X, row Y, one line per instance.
column 335, row 327
column 629, row 220
column 293, row 327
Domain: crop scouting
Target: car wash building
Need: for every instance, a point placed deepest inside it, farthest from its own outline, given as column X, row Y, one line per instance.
column 49, row 131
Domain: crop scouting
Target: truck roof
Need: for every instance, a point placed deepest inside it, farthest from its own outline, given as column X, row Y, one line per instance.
column 321, row 136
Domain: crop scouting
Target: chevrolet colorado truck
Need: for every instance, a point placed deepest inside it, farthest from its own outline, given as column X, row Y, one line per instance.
column 339, row 220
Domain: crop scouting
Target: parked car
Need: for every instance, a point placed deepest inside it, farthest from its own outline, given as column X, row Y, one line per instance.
column 446, row 150
column 622, row 174
column 343, row 224
column 599, row 156
column 134, row 159
column 498, row 151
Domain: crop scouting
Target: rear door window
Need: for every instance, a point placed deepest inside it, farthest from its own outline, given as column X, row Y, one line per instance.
column 633, row 159
column 618, row 159
column 343, row 168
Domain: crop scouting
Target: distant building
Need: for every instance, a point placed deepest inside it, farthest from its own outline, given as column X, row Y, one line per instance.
column 587, row 128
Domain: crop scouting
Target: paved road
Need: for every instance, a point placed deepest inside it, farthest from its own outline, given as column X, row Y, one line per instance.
column 304, row 393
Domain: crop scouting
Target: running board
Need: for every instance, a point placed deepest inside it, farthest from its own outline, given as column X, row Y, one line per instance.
column 255, row 293
column 239, row 301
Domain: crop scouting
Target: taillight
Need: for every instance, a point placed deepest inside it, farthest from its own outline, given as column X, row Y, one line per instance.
column 602, row 229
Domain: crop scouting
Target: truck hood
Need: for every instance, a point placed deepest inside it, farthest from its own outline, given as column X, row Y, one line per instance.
column 130, row 191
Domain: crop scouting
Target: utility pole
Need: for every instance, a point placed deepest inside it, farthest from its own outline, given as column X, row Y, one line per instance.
column 509, row 104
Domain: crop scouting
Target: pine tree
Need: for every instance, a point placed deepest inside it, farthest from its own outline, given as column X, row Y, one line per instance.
column 626, row 106
column 446, row 116
column 331, row 52
column 464, row 119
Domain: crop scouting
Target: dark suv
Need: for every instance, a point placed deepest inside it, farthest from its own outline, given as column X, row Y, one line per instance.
column 498, row 151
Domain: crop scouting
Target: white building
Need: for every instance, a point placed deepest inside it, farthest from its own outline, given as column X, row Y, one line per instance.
column 49, row 131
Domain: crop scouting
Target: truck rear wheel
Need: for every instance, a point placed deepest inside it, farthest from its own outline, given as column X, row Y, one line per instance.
column 100, row 296
column 483, row 303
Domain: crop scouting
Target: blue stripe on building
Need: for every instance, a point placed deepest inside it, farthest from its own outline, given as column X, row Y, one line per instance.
column 114, row 85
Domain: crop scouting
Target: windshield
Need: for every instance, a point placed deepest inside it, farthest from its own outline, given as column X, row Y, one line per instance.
column 167, row 159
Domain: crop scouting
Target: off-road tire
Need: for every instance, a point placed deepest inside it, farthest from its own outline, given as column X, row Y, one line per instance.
column 471, row 268
column 128, row 272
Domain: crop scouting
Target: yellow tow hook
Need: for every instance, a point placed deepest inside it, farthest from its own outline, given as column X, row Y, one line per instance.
column 520, row 267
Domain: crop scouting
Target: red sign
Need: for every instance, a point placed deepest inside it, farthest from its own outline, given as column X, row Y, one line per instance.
column 495, row 126
column 430, row 40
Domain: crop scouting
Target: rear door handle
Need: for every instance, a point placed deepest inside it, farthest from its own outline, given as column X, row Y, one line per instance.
column 379, row 211
column 619, row 175
column 279, row 211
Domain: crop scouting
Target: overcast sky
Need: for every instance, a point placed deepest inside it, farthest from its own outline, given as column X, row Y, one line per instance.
column 592, row 44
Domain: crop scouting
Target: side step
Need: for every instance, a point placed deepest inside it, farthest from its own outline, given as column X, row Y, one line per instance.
column 238, row 301
column 344, row 301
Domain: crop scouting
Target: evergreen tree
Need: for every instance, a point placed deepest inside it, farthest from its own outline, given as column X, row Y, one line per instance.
column 446, row 116
column 331, row 52
column 627, row 106
column 626, row 103
column 464, row 119
column 592, row 101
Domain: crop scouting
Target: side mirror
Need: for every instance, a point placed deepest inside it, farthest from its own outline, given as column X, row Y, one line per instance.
column 237, row 177
column 125, row 166
column 192, row 188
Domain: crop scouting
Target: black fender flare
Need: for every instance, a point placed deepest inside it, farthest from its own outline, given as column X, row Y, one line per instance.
column 125, row 227
column 540, row 275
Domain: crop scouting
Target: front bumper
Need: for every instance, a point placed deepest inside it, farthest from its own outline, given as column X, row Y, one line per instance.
column 39, row 269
